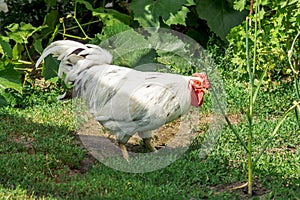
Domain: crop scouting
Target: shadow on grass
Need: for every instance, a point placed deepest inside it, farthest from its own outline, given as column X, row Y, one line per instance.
column 34, row 155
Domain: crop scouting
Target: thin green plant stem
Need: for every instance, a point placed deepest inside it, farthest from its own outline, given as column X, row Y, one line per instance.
column 86, row 37
column 270, row 138
column 290, row 53
column 297, row 87
column 254, row 57
column 64, row 28
column 82, row 25
column 23, row 62
column 247, row 55
column 55, row 32
column 295, row 74
column 249, row 158
column 250, row 134
column 297, row 112
column 255, row 38
column 64, row 34
column 28, row 54
column 228, row 121
column 259, row 84
column 72, row 36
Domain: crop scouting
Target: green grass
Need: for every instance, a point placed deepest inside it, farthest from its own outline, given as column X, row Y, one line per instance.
column 41, row 157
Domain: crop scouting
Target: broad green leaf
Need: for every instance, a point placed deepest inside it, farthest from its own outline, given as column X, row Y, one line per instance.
column 239, row 5
column 149, row 57
column 164, row 8
column 21, row 33
column 17, row 51
column 167, row 42
column 50, row 3
column 112, row 29
column 110, row 14
column 265, row 2
column 18, row 38
column 50, row 68
column 7, row 82
column 142, row 13
column 283, row 4
column 87, row 4
column 219, row 16
column 261, row 13
column 106, row 14
column 10, row 78
column 38, row 46
column 50, row 22
column 190, row 3
column 127, row 47
column 149, row 12
column 51, row 19
column 179, row 17
column 174, row 51
column 5, row 48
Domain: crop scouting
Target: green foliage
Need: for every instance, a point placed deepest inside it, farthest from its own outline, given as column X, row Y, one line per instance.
column 278, row 24
column 23, row 38
column 149, row 12
column 220, row 15
column 19, row 42
column 21, row 32
column 12, row 65
column 9, row 76
column 253, row 90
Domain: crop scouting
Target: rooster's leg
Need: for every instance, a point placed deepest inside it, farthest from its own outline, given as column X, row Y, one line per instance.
column 146, row 135
column 149, row 144
column 124, row 151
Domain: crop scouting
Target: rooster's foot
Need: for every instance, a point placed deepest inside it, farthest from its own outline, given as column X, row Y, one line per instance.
column 149, row 144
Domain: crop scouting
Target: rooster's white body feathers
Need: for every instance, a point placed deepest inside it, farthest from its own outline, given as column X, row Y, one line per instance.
column 123, row 100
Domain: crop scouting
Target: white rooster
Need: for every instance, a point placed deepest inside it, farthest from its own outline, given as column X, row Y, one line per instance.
column 123, row 100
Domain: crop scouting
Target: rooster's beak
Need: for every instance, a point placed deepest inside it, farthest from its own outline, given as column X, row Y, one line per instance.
column 205, row 91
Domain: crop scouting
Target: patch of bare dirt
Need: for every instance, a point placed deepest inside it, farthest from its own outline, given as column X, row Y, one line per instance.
column 26, row 142
column 103, row 146
column 161, row 137
column 241, row 189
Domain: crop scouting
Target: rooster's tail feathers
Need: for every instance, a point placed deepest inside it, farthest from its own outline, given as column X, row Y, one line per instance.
column 71, row 53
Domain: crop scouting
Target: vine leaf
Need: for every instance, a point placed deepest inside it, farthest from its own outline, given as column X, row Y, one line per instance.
column 5, row 48
column 239, row 5
column 179, row 17
column 219, row 15
column 50, row 68
column 125, row 51
column 106, row 14
column 9, row 78
column 21, row 32
column 149, row 12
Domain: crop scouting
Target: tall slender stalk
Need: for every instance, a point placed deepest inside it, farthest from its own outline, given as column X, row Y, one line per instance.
column 252, row 98
column 228, row 121
column 295, row 74
column 250, row 112
column 252, row 94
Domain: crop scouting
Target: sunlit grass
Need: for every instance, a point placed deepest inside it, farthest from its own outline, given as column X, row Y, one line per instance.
column 42, row 158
